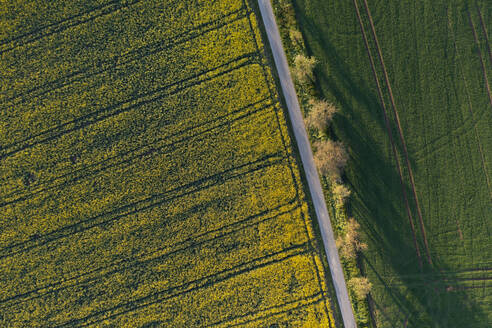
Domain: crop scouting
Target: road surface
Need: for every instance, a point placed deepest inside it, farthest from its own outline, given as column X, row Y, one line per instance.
column 308, row 163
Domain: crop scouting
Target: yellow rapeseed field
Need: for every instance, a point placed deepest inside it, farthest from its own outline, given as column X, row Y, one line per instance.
column 147, row 174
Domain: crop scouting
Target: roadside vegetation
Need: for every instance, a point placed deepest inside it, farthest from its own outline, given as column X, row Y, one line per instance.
column 330, row 156
column 411, row 84
column 148, row 177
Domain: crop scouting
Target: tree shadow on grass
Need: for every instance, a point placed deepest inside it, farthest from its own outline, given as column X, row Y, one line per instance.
column 377, row 202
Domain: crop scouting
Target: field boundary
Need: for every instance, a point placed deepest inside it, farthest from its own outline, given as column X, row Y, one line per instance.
column 288, row 156
column 306, row 155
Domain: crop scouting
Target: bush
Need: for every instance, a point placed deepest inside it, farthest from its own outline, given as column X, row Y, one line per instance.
column 350, row 244
column 303, row 68
column 340, row 193
column 320, row 114
column 360, row 286
column 330, row 158
column 295, row 36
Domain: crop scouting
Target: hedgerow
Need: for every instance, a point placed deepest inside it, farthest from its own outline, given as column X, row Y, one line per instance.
column 330, row 156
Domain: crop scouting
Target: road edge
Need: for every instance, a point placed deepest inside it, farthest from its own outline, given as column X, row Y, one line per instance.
column 306, row 155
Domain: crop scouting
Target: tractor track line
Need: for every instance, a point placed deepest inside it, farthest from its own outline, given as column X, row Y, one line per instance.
column 440, row 274
column 467, row 279
column 105, row 10
column 39, row 30
column 484, row 30
column 470, row 108
column 479, row 52
column 400, row 132
column 390, row 135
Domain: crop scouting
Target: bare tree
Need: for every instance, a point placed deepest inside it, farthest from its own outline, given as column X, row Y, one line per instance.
column 360, row 286
column 350, row 244
column 340, row 193
column 330, row 158
column 303, row 68
column 320, row 114
column 295, row 36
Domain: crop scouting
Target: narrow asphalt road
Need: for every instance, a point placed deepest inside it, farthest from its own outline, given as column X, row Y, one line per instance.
column 308, row 162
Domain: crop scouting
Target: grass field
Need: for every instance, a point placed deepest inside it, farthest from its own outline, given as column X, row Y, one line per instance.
column 412, row 80
column 148, row 177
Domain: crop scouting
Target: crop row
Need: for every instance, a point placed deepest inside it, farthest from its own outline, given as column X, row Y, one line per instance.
column 125, row 30
column 142, row 131
column 154, row 174
column 163, row 271
column 148, row 177
column 108, row 92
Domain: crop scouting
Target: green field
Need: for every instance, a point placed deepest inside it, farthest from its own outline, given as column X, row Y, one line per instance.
column 437, row 58
column 148, row 177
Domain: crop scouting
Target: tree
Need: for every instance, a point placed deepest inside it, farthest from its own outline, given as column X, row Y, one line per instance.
column 320, row 114
column 303, row 68
column 295, row 36
column 340, row 193
column 360, row 286
column 350, row 244
column 330, row 158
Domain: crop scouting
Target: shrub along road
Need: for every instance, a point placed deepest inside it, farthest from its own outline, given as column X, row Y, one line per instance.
column 308, row 162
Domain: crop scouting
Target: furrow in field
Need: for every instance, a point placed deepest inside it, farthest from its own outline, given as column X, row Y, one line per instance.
column 105, row 193
column 193, row 240
column 400, row 132
column 440, row 142
column 160, row 227
column 467, row 279
column 161, row 297
column 257, row 310
column 143, row 154
column 81, row 47
column 257, row 318
column 470, row 108
column 388, row 130
column 88, row 99
column 120, row 61
column 471, row 287
column 484, row 31
column 443, row 273
column 29, row 33
column 132, row 104
column 126, row 157
column 136, row 206
column 128, row 31
column 63, row 25
column 234, row 238
column 69, row 169
column 480, row 57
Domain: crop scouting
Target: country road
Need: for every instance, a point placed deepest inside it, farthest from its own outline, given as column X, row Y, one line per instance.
column 308, row 162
